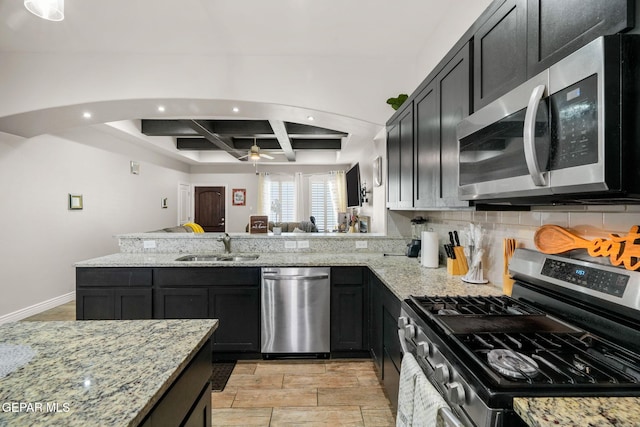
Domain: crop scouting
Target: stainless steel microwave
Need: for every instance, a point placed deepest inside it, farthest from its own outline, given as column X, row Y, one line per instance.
column 571, row 134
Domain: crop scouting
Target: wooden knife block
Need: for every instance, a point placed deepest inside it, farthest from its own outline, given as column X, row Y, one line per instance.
column 458, row 266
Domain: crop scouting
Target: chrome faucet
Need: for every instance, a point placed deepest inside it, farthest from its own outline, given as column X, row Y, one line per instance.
column 226, row 240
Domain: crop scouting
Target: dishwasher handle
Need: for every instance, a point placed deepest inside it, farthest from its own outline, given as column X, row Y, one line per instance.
column 295, row 277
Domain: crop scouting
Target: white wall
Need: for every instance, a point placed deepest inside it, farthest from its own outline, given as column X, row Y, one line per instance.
column 42, row 238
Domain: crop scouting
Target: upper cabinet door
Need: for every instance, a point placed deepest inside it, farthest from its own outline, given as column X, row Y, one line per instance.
column 406, row 158
column 557, row 28
column 400, row 159
column 500, row 53
column 454, row 94
column 427, row 148
column 393, row 165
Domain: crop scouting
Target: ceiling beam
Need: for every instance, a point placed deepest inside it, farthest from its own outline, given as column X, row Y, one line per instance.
column 280, row 131
column 200, row 127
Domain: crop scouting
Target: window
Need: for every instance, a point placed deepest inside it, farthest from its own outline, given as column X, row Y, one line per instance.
column 279, row 198
column 322, row 205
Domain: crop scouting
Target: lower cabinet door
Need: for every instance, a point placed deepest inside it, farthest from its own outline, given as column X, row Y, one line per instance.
column 200, row 415
column 181, row 303
column 347, row 318
column 131, row 304
column 95, row 304
column 238, row 310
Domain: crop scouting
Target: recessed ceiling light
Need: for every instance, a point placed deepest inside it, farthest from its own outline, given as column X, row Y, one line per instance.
column 86, row 115
column 161, row 108
column 310, row 118
column 236, row 109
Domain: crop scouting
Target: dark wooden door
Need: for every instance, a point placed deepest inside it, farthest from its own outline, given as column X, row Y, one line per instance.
column 180, row 303
column 209, row 208
column 427, row 158
column 349, row 303
column 500, row 53
column 406, row 159
column 454, row 95
column 238, row 309
column 393, row 165
column 557, row 28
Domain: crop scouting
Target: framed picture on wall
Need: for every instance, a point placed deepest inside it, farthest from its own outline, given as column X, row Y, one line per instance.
column 239, row 196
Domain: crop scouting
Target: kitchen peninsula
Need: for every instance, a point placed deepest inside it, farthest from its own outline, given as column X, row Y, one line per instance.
column 116, row 373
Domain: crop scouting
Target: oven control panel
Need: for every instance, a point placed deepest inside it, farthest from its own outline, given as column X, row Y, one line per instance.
column 608, row 282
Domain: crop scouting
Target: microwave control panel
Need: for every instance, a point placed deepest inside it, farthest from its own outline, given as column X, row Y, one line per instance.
column 574, row 125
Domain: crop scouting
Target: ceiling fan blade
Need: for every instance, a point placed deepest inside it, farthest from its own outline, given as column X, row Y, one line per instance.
column 266, row 156
column 242, row 157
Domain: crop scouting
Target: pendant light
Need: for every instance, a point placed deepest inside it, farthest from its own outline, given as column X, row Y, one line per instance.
column 51, row 10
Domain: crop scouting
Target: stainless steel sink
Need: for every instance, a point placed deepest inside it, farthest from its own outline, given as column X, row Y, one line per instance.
column 248, row 257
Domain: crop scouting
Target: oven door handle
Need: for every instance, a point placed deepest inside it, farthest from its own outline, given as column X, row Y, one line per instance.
column 448, row 418
column 403, row 344
column 529, row 137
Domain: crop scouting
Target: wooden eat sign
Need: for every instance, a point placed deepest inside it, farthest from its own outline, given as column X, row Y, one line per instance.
column 625, row 250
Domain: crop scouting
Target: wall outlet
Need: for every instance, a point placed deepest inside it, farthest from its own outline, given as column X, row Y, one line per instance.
column 303, row 244
column 289, row 244
column 361, row 244
column 149, row 244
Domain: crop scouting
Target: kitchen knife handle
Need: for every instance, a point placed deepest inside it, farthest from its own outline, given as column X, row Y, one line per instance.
column 455, row 235
column 451, row 239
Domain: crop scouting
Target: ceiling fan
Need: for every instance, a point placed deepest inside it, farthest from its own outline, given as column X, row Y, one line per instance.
column 254, row 153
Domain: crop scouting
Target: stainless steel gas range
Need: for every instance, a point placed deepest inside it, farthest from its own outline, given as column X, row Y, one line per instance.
column 571, row 328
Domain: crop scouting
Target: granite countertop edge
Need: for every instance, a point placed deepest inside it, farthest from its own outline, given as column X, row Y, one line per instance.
column 174, row 376
column 402, row 275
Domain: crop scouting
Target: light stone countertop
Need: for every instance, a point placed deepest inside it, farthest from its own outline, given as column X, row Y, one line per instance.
column 579, row 411
column 403, row 276
column 107, row 373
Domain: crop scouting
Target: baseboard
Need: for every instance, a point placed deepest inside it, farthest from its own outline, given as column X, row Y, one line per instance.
column 38, row 308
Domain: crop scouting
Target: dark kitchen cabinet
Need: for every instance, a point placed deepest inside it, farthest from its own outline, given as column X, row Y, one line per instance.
column 557, row 28
column 500, row 52
column 349, row 308
column 375, row 321
column 438, row 110
column 524, row 37
column 181, row 303
column 385, row 344
column 229, row 294
column 239, row 306
column 400, row 159
column 113, row 293
column 427, row 147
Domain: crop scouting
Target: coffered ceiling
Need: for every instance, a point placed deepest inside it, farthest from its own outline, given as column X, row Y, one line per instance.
column 273, row 137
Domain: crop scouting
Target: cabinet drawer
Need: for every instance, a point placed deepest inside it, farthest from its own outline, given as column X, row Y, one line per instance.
column 346, row 275
column 203, row 276
column 114, row 277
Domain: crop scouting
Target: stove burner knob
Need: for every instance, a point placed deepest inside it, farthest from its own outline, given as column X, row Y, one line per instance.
column 423, row 349
column 409, row 331
column 442, row 373
column 456, row 393
column 402, row 322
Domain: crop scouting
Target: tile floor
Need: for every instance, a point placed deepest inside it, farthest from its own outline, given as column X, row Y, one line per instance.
column 302, row 393
column 309, row 393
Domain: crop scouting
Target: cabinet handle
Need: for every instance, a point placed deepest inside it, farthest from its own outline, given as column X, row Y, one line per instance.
column 529, row 137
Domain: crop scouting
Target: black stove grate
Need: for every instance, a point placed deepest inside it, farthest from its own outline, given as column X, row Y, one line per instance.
column 561, row 359
column 473, row 305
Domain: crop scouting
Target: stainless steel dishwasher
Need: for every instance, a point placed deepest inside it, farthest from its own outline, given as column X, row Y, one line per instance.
column 295, row 311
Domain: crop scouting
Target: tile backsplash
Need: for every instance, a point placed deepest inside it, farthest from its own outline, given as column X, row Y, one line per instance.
column 587, row 222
